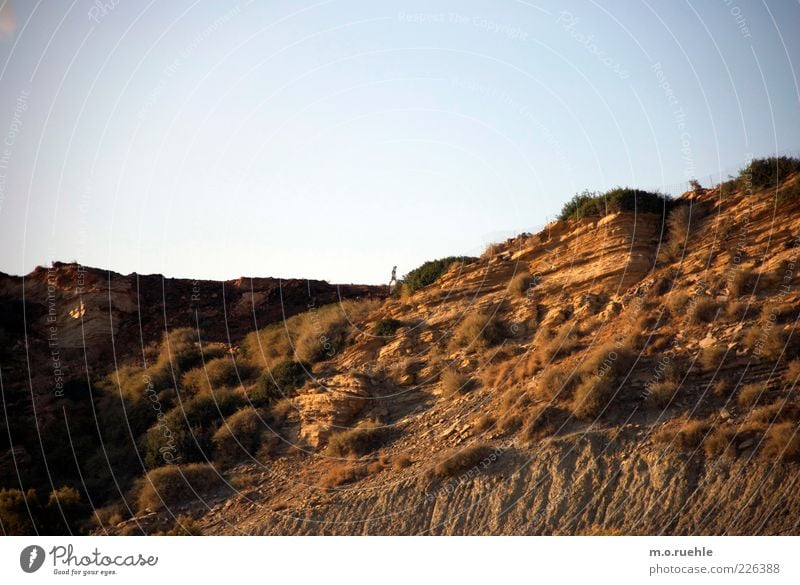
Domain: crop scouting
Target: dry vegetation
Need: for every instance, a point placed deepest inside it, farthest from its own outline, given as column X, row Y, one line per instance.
column 459, row 461
column 477, row 330
column 174, row 485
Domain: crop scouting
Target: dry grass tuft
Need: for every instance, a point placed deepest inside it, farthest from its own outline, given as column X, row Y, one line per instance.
column 782, row 443
column 702, row 310
column 459, row 461
column 687, row 438
column 749, row 395
column 477, row 330
column 454, row 383
column 521, row 286
column 361, row 439
column 661, row 393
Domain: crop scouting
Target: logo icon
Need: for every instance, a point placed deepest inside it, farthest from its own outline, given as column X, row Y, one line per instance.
column 31, row 558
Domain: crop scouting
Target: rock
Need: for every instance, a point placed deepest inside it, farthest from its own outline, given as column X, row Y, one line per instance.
column 334, row 403
column 724, row 414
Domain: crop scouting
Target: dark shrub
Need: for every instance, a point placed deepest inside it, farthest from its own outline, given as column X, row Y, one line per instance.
column 174, row 485
column 281, row 381
column 386, row 327
column 589, row 204
column 431, row 271
column 767, row 172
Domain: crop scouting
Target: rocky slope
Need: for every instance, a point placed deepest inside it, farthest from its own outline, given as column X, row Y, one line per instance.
column 694, row 432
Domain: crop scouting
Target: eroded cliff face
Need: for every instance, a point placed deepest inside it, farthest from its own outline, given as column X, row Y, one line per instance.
column 696, row 458
column 583, row 484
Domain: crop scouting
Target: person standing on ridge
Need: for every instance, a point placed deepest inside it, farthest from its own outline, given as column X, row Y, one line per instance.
column 393, row 280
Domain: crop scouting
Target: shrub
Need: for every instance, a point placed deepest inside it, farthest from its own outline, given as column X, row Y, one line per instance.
column 521, row 285
column 430, row 271
column 239, row 437
column 173, row 485
column 455, row 383
column 789, row 194
column 765, row 340
column 619, row 199
column 792, row 372
column 749, row 395
column 702, row 310
column 776, row 412
column 561, row 345
column 459, row 461
column 284, row 378
column 599, row 380
column 543, row 421
column 65, row 511
column 478, row 329
column 687, row 439
column 341, row 473
column 768, row 172
column 782, row 442
column 387, row 327
column 361, row 439
column 678, row 224
column 15, row 518
column 661, row 393
column 742, row 282
column 736, row 310
column 315, row 335
column 183, row 526
column 720, row 442
column 592, row 397
column 711, row 357
column 184, row 433
column 401, row 462
column 554, row 381
column 218, row 373
column 677, row 302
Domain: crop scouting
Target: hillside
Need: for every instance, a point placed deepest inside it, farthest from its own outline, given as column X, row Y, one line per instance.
column 631, row 369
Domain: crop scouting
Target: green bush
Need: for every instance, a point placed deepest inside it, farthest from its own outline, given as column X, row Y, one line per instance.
column 430, row 271
column 589, row 204
column 281, row 381
column 184, row 433
column 25, row 515
column 218, row 373
column 767, row 172
column 239, row 437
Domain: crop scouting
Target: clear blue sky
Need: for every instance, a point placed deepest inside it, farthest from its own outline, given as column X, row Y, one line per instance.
column 335, row 139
